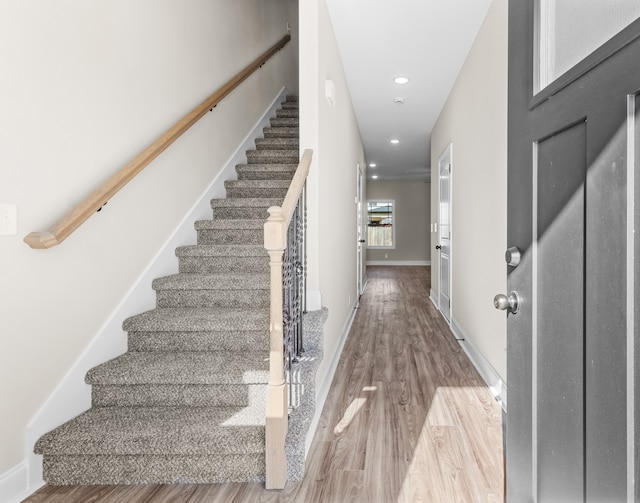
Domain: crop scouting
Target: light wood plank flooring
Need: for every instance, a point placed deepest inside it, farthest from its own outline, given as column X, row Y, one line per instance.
column 408, row 419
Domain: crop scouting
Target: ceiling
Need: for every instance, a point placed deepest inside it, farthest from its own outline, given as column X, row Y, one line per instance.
column 424, row 40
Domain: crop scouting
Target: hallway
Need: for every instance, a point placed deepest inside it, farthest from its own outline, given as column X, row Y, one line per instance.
column 408, row 418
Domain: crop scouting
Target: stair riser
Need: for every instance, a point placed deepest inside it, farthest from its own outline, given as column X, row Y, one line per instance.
column 175, row 396
column 256, row 192
column 215, row 264
column 265, row 175
column 273, row 157
column 281, row 132
column 241, row 213
column 230, row 236
column 236, row 340
column 212, row 298
column 284, row 122
column 277, row 144
column 287, row 112
column 126, row 470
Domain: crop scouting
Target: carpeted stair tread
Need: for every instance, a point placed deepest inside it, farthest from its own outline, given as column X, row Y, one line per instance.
column 287, row 112
column 198, row 320
column 221, row 281
column 281, row 132
column 266, row 171
column 277, row 143
column 292, row 122
column 176, row 395
column 154, row 469
column 193, row 340
column 221, row 251
column 215, row 367
column 158, row 430
column 231, row 223
column 289, row 156
column 246, row 202
column 258, row 184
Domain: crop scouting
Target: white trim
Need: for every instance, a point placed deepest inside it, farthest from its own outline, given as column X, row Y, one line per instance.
column 314, row 300
column 14, row 484
column 485, row 369
column 631, row 274
column 72, row 396
column 323, row 383
column 433, row 297
column 398, row 262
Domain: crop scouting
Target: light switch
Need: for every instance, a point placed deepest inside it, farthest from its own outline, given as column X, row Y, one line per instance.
column 8, row 219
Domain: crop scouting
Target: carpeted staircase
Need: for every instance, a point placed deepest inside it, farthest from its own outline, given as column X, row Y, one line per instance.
column 185, row 403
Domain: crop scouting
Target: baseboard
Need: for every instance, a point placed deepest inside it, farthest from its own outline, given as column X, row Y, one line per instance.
column 399, row 262
column 72, row 396
column 14, row 484
column 482, row 365
column 433, row 297
column 322, row 391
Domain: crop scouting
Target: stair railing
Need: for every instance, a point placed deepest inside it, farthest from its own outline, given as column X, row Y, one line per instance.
column 97, row 199
column 284, row 240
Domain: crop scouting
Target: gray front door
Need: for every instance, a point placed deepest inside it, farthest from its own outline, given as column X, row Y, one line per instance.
column 573, row 205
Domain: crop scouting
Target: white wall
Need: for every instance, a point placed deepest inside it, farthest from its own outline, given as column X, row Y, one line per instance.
column 474, row 119
column 412, row 218
column 85, row 86
column 333, row 134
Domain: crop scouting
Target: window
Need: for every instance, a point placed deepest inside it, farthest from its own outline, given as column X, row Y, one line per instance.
column 381, row 229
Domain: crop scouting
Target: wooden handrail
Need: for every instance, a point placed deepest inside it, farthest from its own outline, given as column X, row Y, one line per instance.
column 275, row 242
column 97, row 199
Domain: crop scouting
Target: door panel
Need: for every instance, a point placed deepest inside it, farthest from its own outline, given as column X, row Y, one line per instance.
column 606, row 319
column 559, row 185
column 572, row 356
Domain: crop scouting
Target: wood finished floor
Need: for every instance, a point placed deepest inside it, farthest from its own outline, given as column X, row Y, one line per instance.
column 408, row 419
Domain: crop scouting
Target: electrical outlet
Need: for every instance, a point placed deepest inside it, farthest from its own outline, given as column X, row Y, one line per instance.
column 8, row 219
column 386, row 255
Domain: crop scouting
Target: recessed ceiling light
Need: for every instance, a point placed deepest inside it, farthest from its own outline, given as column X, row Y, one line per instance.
column 372, row 165
column 374, row 176
column 401, row 80
column 395, row 142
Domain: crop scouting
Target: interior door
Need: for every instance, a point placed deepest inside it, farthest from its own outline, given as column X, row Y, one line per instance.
column 444, row 236
column 360, row 247
column 572, row 427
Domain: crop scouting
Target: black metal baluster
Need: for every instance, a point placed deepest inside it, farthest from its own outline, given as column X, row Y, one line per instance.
column 293, row 296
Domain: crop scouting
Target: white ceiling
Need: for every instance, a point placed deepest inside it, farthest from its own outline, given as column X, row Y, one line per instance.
column 425, row 40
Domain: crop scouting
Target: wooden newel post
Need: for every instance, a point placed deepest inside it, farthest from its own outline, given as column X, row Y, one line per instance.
column 275, row 241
